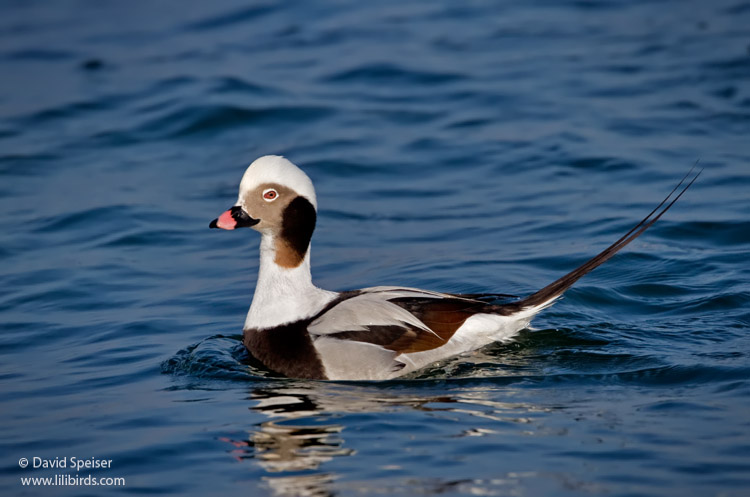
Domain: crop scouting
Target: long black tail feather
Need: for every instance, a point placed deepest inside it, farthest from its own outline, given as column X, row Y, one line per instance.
column 549, row 293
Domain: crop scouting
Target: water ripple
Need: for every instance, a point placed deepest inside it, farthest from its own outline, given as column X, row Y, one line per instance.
column 389, row 73
column 227, row 19
column 212, row 119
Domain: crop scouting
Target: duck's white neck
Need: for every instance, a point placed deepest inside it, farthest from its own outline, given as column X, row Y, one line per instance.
column 283, row 295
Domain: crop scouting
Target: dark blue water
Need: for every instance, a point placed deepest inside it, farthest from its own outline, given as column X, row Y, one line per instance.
column 455, row 146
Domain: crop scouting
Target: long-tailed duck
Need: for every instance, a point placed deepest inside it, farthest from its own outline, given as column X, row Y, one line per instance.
column 301, row 331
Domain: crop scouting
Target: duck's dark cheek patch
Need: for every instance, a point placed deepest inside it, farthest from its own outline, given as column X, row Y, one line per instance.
column 298, row 224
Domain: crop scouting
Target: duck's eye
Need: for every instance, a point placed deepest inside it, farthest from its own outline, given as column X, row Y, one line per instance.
column 270, row 195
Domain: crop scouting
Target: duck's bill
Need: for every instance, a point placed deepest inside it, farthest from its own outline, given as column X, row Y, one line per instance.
column 234, row 218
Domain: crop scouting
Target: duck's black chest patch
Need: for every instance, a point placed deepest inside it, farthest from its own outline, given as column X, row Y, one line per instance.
column 286, row 349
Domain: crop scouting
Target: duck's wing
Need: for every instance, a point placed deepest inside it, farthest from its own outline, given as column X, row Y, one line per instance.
column 400, row 320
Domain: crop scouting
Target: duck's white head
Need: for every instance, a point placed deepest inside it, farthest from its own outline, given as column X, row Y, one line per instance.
column 277, row 199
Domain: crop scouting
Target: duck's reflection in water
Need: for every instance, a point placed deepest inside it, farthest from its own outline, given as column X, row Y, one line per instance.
column 282, row 445
column 298, row 438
